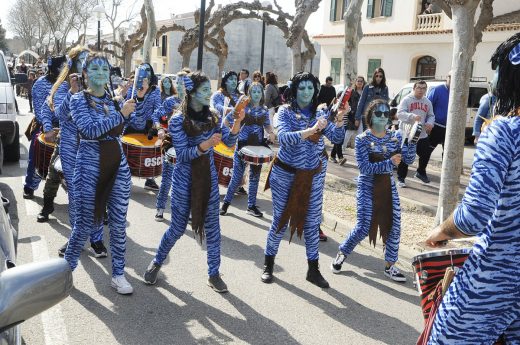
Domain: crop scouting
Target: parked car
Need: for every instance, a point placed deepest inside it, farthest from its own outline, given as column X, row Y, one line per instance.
column 478, row 87
column 29, row 289
column 9, row 128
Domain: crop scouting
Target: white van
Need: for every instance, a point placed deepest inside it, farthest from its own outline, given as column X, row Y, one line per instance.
column 9, row 128
column 478, row 87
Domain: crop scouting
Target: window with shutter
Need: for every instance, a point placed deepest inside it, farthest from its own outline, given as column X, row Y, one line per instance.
column 164, row 45
column 387, row 8
column 370, row 9
column 335, row 69
column 372, row 65
column 332, row 10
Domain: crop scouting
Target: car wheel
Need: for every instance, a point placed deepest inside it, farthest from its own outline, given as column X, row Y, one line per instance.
column 12, row 151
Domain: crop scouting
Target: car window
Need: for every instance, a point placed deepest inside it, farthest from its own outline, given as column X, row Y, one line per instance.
column 404, row 92
column 475, row 94
column 4, row 74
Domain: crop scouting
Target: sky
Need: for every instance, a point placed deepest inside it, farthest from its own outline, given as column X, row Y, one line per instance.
column 164, row 9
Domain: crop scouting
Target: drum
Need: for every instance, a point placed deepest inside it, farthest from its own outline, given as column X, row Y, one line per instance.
column 429, row 270
column 171, row 156
column 143, row 155
column 223, row 157
column 415, row 133
column 43, row 150
column 256, row 155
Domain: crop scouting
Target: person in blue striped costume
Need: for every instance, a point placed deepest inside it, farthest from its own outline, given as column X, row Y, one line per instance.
column 483, row 301
column 148, row 100
column 161, row 117
column 378, row 151
column 294, row 180
column 252, row 133
column 102, row 178
column 40, row 92
column 59, row 101
column 195, row 130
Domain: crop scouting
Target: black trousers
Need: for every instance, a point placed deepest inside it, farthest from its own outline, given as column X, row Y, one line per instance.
column 423, row 151
column 337, row 150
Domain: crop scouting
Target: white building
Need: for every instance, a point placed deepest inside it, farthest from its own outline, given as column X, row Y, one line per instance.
column 406, row 43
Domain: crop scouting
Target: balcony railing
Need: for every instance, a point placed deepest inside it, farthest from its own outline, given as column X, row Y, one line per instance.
column 427, row 22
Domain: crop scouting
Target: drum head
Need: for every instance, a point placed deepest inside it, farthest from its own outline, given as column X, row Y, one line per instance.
column 257, row 151
column 225, row 150
column 438, row 253
column 57, row 165
column 171, row 152
column 140, row 140
column 41, row 139
column 416, row 130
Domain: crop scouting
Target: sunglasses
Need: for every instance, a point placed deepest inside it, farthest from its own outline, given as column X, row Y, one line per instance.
column 379, row 113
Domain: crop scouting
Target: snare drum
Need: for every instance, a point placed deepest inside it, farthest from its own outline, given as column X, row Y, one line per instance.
column 223, row 157
column 43, row 150
column 429, row 270
column 170, row 156
column 415, row 133
column 256, row 155
column 143, row 155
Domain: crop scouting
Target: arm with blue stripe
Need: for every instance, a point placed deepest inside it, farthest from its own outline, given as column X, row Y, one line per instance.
column 62, row 102
column 334, row 133
column 165, row 108
column 184, row 152
column 493, row 157
column 228, row 137
column 82, row 117
column 46, row 117
column 40, row 92
column 286, row 136
column 364, row 164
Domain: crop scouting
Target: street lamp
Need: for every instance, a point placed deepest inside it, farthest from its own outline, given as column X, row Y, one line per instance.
column 58, row 35
column 264, row 4
column 45, row 43
column 201, row 33
column 99, row 10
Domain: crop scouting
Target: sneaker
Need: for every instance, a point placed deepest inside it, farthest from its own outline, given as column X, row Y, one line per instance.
column 28, row 193
column 217, row 284
column 159, row 215
column 323, row 237
column 333, row 160
column 150, row 184
column 61, row 251
column 393, row 273
column 254, row 211
column 224, row 208
column 401, row 183
column 121, row 285
column 150, row 276
column 99, row 249
column 342, row 161
column 423, row 177
column 337, row 262
column 241, row 191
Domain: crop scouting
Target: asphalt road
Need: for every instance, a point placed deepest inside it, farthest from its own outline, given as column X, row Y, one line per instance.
column 361, row 307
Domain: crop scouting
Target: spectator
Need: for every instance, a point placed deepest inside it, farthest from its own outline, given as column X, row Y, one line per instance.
column 350, row 125
column 244, row 81
column 485, row 109
column 415, row 107
column 23, row 67
column 257, row 77
column 327, row 92
column 376, row 89
column 271, row 94
column 429, row 9
column 30, row 83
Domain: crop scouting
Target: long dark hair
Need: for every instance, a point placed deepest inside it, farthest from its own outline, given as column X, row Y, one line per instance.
column 383, row 81
column 296, row 80
column 197, row 78
column 173, row 91
column 224, row 79
column 508, row 84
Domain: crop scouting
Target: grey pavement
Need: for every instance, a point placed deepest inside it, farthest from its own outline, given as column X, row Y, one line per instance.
column 361, row 307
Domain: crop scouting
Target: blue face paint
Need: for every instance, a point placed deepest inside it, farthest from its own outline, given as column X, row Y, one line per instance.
column 98, row 73
column 80, row 60
column 304, row 93
column 202, row 94
column 379, row 123
column 181, row 91
column 231, row 83
column 256, row 92
column 167, row 84
column 148, row 70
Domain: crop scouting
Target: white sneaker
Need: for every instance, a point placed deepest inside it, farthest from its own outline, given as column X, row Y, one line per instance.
column 393, row 273
column 401, row 184
column 159, row 215
column 121, row 285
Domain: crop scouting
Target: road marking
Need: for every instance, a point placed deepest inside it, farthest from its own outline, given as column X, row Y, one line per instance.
column 31, row 207
column 54, row 329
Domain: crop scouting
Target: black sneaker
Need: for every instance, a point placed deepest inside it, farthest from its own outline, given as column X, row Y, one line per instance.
column 241, row 191
column 393, row 273
column 61, row 251
column 254, row 211
column 99, row 249
column 150, row 184
column 217, row 284
column 28, row 193
column 342, row 161
column 423, row 177
column 150, row 276
column 337, row 262
column 159, row 215
column 224, row 208
column 333, row 160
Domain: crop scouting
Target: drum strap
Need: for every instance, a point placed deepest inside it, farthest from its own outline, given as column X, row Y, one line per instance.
column 299, row 198
column 382, row 205
column 200, row 193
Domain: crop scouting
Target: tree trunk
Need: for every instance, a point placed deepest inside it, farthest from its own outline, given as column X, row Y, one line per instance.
column 151, row 31
column 463, row 50
column 186, row 59
column 221, row 63
column 128, row 62
column 296, row 50
column 353, row 34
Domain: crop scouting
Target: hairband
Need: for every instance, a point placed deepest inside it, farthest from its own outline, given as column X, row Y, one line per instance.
column 514, row 55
